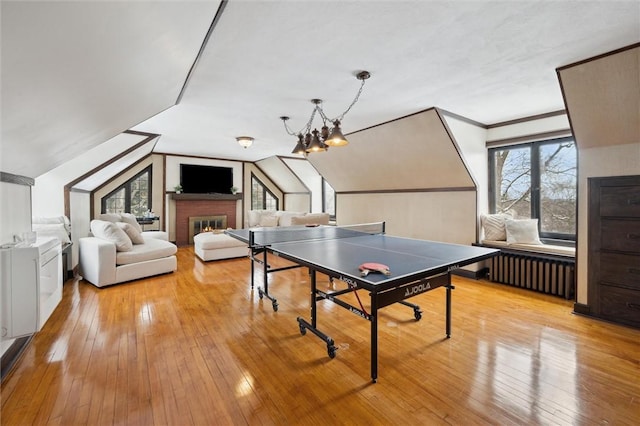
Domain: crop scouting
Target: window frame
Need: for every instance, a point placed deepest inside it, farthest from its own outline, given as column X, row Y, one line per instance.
column 536, row 202
column 127, row 188
column 265, row 191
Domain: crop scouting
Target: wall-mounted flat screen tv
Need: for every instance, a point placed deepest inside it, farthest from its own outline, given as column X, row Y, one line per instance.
column 198, row 179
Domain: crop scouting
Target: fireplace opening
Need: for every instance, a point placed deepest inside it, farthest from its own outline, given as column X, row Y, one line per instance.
column 198, row 224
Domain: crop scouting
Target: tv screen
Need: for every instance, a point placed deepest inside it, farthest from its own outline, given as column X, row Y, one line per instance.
column 197, row 179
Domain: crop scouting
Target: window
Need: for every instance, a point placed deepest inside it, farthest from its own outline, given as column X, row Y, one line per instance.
column 134, row 196
column 328, row 199
column 261, row 197
column 537, row 180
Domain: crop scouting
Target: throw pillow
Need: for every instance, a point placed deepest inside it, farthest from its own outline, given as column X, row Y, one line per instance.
column 131, row 220
column 493, row 226
column 523, row 231
column 110, row 217
column 109, row 231
column 132, row 232
column 268, row 220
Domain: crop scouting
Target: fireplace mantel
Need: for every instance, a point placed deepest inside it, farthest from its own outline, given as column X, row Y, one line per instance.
column 191, row 205
column 215, row 196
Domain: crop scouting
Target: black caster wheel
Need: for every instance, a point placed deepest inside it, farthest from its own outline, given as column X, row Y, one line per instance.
column 260, row 294
column 275, row 307
column 303, row 329
column 331, row 350
column 417, row 314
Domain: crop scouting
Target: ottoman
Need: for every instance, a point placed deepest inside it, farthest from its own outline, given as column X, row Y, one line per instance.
column 214, row 246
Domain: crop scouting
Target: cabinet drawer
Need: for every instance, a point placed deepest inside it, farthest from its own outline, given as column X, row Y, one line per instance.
column 620, row 305
column 620, row 269
column 620, row 235
column 621, row 201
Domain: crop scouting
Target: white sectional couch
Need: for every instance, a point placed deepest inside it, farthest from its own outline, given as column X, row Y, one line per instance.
column 119, row 251
column 267, row 218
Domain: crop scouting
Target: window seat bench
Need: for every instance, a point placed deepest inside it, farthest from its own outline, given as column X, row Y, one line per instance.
column 545, row 268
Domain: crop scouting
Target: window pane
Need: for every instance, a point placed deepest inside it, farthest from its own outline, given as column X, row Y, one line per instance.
column 558, row 187
column 513, row 181
column 257, row 201
column 270, row 203
column 140, row 195
column 115, row 203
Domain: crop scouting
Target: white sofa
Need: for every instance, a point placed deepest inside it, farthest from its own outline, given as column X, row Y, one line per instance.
column 117, row 253
column 267, row 218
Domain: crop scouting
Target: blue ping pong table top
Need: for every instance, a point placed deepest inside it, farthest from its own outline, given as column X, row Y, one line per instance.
column 405, row 257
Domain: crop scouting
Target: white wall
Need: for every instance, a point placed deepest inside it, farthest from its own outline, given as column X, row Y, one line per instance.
column 471, row 139
column 438, row 216
column 80, row 205
column 310, row 178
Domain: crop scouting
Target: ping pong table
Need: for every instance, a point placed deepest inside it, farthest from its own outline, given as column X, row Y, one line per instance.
column 416, row 266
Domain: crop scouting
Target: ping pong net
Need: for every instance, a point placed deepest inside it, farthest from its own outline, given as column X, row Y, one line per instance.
column 269, row 236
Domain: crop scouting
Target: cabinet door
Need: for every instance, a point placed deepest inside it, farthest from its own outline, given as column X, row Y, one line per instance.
column 20, row 290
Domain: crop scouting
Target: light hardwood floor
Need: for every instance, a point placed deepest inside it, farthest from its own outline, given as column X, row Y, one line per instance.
column 199, row 347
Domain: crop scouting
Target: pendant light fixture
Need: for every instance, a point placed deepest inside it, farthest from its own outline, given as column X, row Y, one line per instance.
column 318, row 141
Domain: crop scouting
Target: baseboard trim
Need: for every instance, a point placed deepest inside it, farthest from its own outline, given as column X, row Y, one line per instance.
column 581, row 309
column 12, row 355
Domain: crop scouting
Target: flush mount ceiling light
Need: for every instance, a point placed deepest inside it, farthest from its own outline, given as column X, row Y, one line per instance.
column 245, row 141
column 316, row 141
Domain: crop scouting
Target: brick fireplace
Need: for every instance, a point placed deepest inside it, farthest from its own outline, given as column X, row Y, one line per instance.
column 196, row 205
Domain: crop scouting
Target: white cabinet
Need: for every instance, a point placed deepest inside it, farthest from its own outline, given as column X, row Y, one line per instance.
column 31, row 286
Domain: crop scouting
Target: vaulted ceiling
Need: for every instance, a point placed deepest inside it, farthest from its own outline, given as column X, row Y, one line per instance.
column 200, row 73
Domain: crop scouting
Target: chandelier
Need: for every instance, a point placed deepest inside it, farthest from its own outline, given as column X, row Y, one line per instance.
column 317, row 141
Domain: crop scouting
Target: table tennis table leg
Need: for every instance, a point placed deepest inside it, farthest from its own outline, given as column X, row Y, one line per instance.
column 374, row 337
column 265, row 274
column 448, row 326
column 304, row 325
column 253, row 267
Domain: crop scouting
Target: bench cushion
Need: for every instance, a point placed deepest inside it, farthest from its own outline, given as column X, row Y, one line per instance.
column 151, row 249
column 535, row 248
column 209, row 241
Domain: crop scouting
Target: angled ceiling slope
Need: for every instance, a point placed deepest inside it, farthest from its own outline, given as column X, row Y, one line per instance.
column 414, row 153
column 75, row 74
column 602, row 95
column 282, row 175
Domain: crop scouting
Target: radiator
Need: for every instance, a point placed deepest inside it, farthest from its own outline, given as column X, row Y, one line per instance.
column 533, row 271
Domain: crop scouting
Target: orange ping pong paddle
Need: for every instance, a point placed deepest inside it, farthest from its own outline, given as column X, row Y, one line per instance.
column 367, row 267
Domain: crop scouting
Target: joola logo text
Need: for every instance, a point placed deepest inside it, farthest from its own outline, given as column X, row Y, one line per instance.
column 417, row 289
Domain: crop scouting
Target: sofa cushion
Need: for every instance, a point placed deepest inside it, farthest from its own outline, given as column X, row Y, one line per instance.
column 134, row 235
column 151, row 249
column 311, row 219
column 267, row 220
column 131, row 220
column 110, row 217
column 254, row 216
column 211, row 241
column 284, row 217
column 111, row 232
